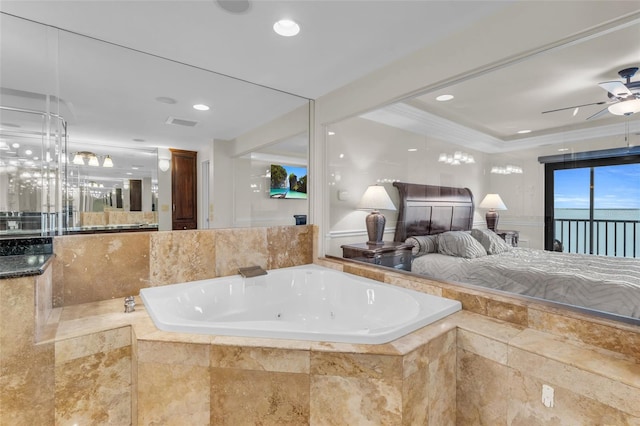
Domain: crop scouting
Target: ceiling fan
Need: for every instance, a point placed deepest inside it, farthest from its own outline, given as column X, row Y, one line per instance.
column 624, row 98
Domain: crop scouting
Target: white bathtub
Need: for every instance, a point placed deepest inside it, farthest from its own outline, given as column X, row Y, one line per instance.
column 307, row 302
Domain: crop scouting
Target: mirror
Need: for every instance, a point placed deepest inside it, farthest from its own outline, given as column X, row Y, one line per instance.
column 131, row 107
column 410, row 140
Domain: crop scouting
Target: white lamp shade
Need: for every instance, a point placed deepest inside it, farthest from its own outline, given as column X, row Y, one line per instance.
column 78, row 159
column 492, row 201
column 108, row 162
column 627, row 107
column 376, row 198
column 164, row 164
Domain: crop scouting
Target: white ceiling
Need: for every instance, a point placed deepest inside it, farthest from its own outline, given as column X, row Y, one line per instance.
column 109, row 91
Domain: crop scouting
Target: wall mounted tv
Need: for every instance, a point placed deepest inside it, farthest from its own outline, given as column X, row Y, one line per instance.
column 289, row 182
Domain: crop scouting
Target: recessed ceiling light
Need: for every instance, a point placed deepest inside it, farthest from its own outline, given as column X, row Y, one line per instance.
column 201, row 107
column 166, row 100
column 443, row 98
column 286, row 28
column 341, row 156
column 522, row 132
column 330, row 133
column 15, row 145
column 28, row 152
column 563, row 149
column 412, row 149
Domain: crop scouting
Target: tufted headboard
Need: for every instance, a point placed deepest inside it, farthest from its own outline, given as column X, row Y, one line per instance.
column 429, row 209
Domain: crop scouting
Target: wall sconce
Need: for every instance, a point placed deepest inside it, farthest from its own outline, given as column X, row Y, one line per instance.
column 375, row 198
column 164, row 164
column 457, row 158
column 506, row 170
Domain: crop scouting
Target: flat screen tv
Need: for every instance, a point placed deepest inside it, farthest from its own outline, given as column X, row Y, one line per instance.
column 288, row 182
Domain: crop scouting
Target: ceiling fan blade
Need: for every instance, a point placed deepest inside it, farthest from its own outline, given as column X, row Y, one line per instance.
column 616, row 88
column 574, row 107
column 599, row 114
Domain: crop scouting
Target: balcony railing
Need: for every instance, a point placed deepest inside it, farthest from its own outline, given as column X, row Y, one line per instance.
column 605, row 237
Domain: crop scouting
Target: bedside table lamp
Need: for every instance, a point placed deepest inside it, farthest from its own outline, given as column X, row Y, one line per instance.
column 375, row 198
column 492, row 202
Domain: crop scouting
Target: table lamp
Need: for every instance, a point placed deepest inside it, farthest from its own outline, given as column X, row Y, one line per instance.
column 492, row 202
column 375, row 198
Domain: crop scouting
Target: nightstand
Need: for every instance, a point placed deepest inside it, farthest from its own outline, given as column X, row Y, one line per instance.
column 391, row 254
column 511, row 237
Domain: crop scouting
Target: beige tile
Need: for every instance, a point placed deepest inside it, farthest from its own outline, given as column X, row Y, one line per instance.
column 612, row 336
column 579, row 355
column 261, row 359
column 415, row 398
column 240, row 397
column 470, row 302
column 381, row 367
column 341, row 401
column 289, row 246
column 27, row 388
column 43, row 300
column 100, row 266
column 507, row 311
column 90, row 344
column 240, row 247
column 363, row 270
column 442, row 384
column 17, row 314
column 173, row 394
column 481, row 393
column 525, row 407
column 95, row 389
column 182, row 256
column 610, row 392
column 483, row 346
column 413, row 284
column 173, row 353
column 484, row 326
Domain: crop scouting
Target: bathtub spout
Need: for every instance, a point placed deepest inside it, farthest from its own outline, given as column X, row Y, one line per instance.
column 129, row 304
column 251, row 271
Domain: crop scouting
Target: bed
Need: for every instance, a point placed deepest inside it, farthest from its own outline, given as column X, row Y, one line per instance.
column 438, row 221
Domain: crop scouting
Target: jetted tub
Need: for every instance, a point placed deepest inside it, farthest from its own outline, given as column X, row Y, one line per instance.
column 307, row 302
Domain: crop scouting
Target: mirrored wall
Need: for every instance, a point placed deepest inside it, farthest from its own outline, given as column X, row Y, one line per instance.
column 98, row 118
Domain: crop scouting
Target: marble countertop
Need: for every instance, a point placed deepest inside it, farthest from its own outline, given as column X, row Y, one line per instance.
column 23, row 265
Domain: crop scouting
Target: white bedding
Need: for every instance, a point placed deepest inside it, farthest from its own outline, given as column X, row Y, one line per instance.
column 609, row 284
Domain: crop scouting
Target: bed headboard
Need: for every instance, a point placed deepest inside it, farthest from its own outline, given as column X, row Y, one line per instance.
column 429, row 209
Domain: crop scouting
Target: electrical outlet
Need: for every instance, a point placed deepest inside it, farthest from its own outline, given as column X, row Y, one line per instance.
column 547, row 396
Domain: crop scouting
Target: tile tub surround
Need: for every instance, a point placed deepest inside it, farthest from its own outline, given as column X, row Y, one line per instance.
column 466, row 369
column 89, row 268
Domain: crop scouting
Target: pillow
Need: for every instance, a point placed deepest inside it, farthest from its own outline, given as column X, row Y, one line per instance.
column 491, row 241
column 460, row 244
column 423, row 244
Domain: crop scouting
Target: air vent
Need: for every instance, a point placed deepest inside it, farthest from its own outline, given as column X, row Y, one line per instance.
column 181, row 122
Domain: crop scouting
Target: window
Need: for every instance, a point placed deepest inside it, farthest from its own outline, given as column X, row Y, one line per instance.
column 592, row 205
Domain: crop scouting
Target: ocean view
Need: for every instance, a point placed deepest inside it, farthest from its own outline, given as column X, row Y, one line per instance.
column 616, row 231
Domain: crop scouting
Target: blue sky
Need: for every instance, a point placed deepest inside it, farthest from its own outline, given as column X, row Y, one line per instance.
column 615, row 187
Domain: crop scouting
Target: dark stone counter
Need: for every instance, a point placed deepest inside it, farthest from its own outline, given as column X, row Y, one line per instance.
column 22, row 257
column 23, row 265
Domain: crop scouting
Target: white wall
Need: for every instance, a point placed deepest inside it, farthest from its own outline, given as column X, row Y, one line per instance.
column 363, row 153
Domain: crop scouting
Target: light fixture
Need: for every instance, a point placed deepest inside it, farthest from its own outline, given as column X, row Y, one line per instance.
column 163, row 164
column 93, row 160
column 201, row 107
column 524, row 132
column 286, row 28
column 444, row 98
column 375, row 198
column 492, row 202
column 506, row 170
column 456, row 158
column 4, row 146
column 626, row 107
column 79, row 157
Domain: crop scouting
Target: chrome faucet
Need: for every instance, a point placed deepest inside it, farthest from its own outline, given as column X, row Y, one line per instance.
column 129, row 304
column 251, row 271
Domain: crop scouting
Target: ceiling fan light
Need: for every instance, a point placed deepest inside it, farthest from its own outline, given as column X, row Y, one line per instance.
column 627, row 107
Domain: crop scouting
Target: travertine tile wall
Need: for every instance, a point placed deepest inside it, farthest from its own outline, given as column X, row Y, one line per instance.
column 26, row 369
column 95, row 267
column 514, row 346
